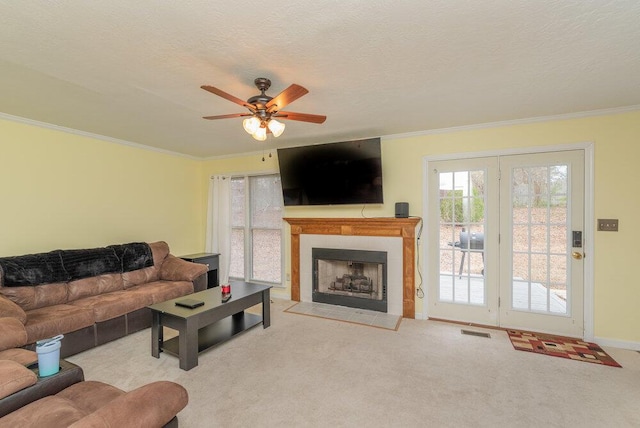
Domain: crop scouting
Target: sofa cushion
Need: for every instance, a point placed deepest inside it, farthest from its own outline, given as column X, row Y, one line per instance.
column 34, row 297
column 58, row 319
column 89, row 396
column 12, row 333
column 140, row 276
column 94, row 286
column 159, row 251
column 25, row 297
column 50, row 294
column 11, row 310
column 32, row 269
column 14, row 377
column 21, row 356
column 151, row 405
column 50, row 412
column 111, row 305
column 160, row 291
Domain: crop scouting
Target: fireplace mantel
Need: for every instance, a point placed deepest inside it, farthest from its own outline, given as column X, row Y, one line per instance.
column 404, row 228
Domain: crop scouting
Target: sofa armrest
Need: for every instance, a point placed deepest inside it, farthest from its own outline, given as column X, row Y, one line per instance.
column 68, row 375
column 14, row 377
column 151, row 405
column 12, row 310
column 12, row 333
column 176, row 269
column 200, row 283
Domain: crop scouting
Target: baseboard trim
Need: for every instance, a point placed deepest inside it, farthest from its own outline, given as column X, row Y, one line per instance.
column 615, row 343
column 468, row 324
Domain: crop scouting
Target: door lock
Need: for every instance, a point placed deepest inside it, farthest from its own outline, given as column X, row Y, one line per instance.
column 577, row 239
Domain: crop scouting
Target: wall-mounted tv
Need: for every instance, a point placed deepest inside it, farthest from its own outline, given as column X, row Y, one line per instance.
column 347, row 172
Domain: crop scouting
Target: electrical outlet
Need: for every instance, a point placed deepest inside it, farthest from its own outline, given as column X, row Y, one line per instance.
column 608, row 224
column 288, row 277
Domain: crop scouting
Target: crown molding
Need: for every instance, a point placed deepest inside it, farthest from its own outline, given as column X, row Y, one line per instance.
column 80, row 133
column 567, row 116
column 487, row 125
column 538, row 119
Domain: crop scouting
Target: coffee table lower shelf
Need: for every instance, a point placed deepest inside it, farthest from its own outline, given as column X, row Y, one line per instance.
column 216, row 333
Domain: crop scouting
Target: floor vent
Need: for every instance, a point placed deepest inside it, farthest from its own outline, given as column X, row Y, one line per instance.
column 476, row 333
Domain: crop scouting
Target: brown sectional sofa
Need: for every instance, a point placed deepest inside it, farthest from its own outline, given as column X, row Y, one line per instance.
column 96, row 404
column 91, row 296
column 67, row 400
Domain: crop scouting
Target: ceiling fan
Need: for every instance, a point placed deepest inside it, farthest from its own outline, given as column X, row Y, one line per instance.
column 263, row 109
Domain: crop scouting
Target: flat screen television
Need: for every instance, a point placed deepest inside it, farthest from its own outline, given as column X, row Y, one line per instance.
column 347, row 172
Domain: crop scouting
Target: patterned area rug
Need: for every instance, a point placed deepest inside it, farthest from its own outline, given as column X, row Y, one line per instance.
column 558, row 346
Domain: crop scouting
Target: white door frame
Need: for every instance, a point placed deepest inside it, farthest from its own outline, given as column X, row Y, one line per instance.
column 588, row 148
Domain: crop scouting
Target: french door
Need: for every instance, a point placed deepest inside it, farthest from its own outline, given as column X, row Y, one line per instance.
column 461, row 237
column 505, row 241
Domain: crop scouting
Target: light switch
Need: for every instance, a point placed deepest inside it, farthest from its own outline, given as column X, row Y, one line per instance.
column 608, row 224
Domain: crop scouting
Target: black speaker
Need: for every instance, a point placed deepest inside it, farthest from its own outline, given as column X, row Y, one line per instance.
column 402, row 209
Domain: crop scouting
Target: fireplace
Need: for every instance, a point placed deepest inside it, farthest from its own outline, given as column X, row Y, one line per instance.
column 372, row 230
column 354, row 278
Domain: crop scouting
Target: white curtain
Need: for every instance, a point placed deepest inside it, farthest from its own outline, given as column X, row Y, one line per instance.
column 219, row 223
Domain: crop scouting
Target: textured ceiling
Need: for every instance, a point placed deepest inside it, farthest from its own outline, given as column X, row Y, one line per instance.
column 132, row 70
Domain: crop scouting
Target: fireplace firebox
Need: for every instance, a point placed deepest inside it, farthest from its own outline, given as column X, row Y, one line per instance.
column 354, row 278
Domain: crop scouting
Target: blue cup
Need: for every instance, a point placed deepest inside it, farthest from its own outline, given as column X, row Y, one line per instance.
column 48, row 356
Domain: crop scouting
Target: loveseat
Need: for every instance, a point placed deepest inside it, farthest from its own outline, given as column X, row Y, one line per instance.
column 67, row 400
column 91, row 296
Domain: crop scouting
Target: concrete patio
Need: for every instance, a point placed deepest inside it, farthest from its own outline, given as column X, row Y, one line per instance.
column 470, row 289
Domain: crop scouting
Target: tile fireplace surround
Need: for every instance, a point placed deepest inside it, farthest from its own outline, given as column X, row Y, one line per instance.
column 404, row 228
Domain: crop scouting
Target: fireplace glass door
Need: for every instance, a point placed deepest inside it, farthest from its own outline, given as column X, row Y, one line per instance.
column 354, row 278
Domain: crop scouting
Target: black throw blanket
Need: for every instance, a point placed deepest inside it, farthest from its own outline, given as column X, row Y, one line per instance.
column 69, row 265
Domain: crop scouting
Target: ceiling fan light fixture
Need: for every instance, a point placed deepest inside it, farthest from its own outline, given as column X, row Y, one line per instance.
column 251, row 125
column 260, row 134
column 262, row 107
column 276, row 128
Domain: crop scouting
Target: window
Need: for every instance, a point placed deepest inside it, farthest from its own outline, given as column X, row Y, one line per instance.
column 256, row 228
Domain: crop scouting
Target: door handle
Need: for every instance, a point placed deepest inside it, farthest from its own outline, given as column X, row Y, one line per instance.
column 577, row 255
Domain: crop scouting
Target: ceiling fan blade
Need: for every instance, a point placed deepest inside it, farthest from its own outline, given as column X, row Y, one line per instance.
column 303, row 117
column 227, row 96
column 285, row 97
column 227, row 116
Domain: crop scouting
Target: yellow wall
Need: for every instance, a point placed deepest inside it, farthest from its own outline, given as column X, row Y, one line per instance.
column 616, row 137
column 61, row 190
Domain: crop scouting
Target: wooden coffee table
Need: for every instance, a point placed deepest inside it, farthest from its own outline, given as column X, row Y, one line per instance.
column 208, row 325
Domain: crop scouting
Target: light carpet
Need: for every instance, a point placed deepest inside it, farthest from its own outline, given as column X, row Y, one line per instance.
column 311, row 372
